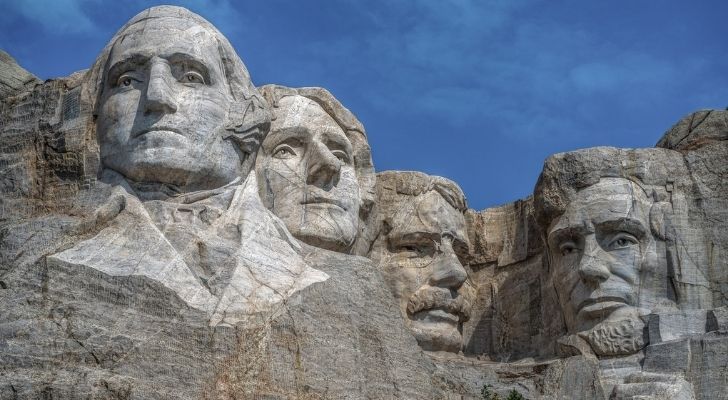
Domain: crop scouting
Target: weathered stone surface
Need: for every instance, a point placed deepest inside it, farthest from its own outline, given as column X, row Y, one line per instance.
column 315, row 169
column 133, row 337
column 13, row 78
column 156, row 241
column 696, row 130
column 420, row 248
column 513, row 293
column 505, row 235
column 569, row 378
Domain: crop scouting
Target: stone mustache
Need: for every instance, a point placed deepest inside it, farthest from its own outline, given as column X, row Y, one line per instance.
column 247, row 228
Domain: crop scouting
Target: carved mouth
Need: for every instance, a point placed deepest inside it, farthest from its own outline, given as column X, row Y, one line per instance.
column 437, row 304
column 323, row 200
column 600, row 305
column 436, row 315
column 156, row 129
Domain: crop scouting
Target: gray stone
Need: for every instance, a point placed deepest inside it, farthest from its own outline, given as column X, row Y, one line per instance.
column 420, row 248
column 696, row 130
column 13, row 78
column 157, row 242
column 315, row 169
column 664, row 327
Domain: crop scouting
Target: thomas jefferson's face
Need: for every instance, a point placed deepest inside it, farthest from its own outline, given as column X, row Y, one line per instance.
column 599, row 247
column 420, row 257
column 164, row 105
column 307, row 177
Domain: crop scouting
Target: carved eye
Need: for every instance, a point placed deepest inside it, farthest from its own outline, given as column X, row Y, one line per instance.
column 342, row 156
column 192, row 77
column 410, row 251
column 125, row 81
column 622, row 241
column 414, row 250
column 283, row 152
column 567, row 248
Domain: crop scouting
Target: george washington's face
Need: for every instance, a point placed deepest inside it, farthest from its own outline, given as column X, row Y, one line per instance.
column 163, row 108
column 599, row 247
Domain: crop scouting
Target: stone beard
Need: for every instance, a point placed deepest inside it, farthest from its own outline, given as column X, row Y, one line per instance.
column 600, row 249
column 419, row 250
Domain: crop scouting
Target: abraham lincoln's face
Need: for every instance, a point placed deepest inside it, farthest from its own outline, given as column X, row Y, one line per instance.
column 598, row 249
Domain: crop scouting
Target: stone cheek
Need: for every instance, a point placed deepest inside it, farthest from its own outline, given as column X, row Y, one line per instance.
column 307, row 173
column 156, row 265
column 421, row 248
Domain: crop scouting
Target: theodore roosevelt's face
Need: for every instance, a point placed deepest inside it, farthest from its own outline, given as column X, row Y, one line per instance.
column 421, row 257
column 307, row 177
column 598, row 248
column 163, row 108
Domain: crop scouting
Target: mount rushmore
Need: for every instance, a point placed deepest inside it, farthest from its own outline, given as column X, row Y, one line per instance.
column 170, row 230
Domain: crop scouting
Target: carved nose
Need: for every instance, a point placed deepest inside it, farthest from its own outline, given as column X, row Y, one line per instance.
column 447, row 271
column 160, row 96
column 592, row 266
column 323, row 167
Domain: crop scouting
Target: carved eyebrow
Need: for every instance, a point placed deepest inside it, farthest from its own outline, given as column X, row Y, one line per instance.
column 417, row 236
column 341, row 142
column 192, row 61
column 132, row 61
column 627, row 224
column 567, row 232
column 276, row 137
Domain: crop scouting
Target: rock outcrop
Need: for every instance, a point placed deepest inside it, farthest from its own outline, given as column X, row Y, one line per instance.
column 13, row 78
column 168, row 230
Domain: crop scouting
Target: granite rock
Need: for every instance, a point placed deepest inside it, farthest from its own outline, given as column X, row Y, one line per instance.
column 168, row 230
column 13, row 78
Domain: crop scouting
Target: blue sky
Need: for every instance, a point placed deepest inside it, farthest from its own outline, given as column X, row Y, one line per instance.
column 477, row 91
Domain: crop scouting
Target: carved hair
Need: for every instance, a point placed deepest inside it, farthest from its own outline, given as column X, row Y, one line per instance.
column 656, row 171
column 248, row 118
column 566, row 174
column 351, row 126
column 394, row 184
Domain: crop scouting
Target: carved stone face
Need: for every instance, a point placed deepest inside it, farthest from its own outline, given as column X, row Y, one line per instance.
column 599, row 248
column 164, row 105
column 421, row 260
column 307, row 177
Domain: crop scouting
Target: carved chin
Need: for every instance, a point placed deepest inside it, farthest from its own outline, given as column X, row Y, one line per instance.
column 335, row 232
column 437, row 337
column 617, row 338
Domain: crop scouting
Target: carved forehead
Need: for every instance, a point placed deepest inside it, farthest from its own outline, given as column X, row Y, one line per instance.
column 425, row 213
column 298, row 110
column 609, row 200
column 142, row 42
column 153, row 34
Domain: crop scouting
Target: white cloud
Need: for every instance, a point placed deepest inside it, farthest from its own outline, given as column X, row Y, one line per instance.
column 55, row 16
column 73, row 16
